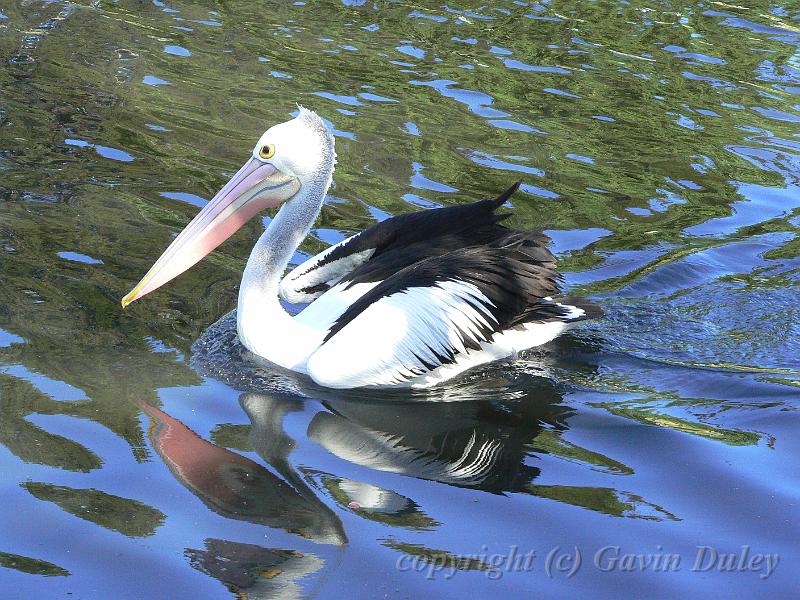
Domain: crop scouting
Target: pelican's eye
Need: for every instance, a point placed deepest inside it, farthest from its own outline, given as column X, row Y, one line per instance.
column 266, row 151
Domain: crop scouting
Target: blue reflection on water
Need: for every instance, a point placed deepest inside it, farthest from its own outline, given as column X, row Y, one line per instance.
column 7, row 338
column 193, row 199
column 104, row 151
column 177, row 51
column 77, row 257
column 153, row 80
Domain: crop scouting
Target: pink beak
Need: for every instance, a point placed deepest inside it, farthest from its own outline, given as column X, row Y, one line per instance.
column 255, row 187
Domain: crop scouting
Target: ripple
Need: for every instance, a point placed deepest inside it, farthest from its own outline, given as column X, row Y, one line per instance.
column 341, row 99
column 714, row 81
column 186, row 197
column 477, row 102
column 104, row 151
column 718, row 323
column 580, row 158
column 489, row 160
column 688, row 123
column 787, row 34
column 575, row 239
column 77, row 257
column 521, row 66
column 416, row 14
column 558, row 92
column 668, row 198
column 53, row 388
column 420, row 201
column 762, row 204
column 419, row 181
column 177, row 51
column 7, row 339
column 535, row 190
column 513, row 126
column 409, row 50
column 412, row 128
column 617, row 265
column 778, row 115
column 681, row 52
column 153, row 80
column 639, row 212
column 375, row 97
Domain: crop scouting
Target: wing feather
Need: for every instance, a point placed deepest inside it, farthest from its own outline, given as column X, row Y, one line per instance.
column 400, row 337
column 429, row 313
column 395, row 243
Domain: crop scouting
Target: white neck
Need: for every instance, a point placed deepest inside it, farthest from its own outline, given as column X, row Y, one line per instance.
column 265, row 328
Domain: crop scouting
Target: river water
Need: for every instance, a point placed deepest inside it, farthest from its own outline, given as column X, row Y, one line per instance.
column 653, row 453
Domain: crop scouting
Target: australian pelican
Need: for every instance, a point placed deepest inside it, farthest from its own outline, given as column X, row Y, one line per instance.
column 412, row 301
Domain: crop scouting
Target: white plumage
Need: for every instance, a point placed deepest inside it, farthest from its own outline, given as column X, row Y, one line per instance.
column 395, row 338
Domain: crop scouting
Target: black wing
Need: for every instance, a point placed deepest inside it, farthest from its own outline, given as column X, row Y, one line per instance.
column 401, row 241
column 512, row 273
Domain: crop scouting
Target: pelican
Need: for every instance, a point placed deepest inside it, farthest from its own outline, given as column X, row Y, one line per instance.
column 412, row 301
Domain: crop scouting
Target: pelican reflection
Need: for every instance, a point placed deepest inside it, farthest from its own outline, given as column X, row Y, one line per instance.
column 269, row 439
column 239, row 488
column 473, row 443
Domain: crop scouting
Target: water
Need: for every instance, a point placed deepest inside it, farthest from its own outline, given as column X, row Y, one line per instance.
column 658, row 145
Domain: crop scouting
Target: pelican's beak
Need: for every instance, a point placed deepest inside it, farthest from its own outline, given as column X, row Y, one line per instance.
column 257, row 186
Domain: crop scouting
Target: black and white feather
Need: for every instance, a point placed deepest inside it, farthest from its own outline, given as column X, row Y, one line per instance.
column 402, row 241
column 422, row 297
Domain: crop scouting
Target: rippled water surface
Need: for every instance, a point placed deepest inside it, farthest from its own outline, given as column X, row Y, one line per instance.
column 143, row 456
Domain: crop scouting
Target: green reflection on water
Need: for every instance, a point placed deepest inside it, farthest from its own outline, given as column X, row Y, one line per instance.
column 33, row 444
column 128, row 517
column 34, row 566
column 604, row 500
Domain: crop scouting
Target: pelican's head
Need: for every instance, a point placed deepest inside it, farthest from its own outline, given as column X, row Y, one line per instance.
column 289, row 157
